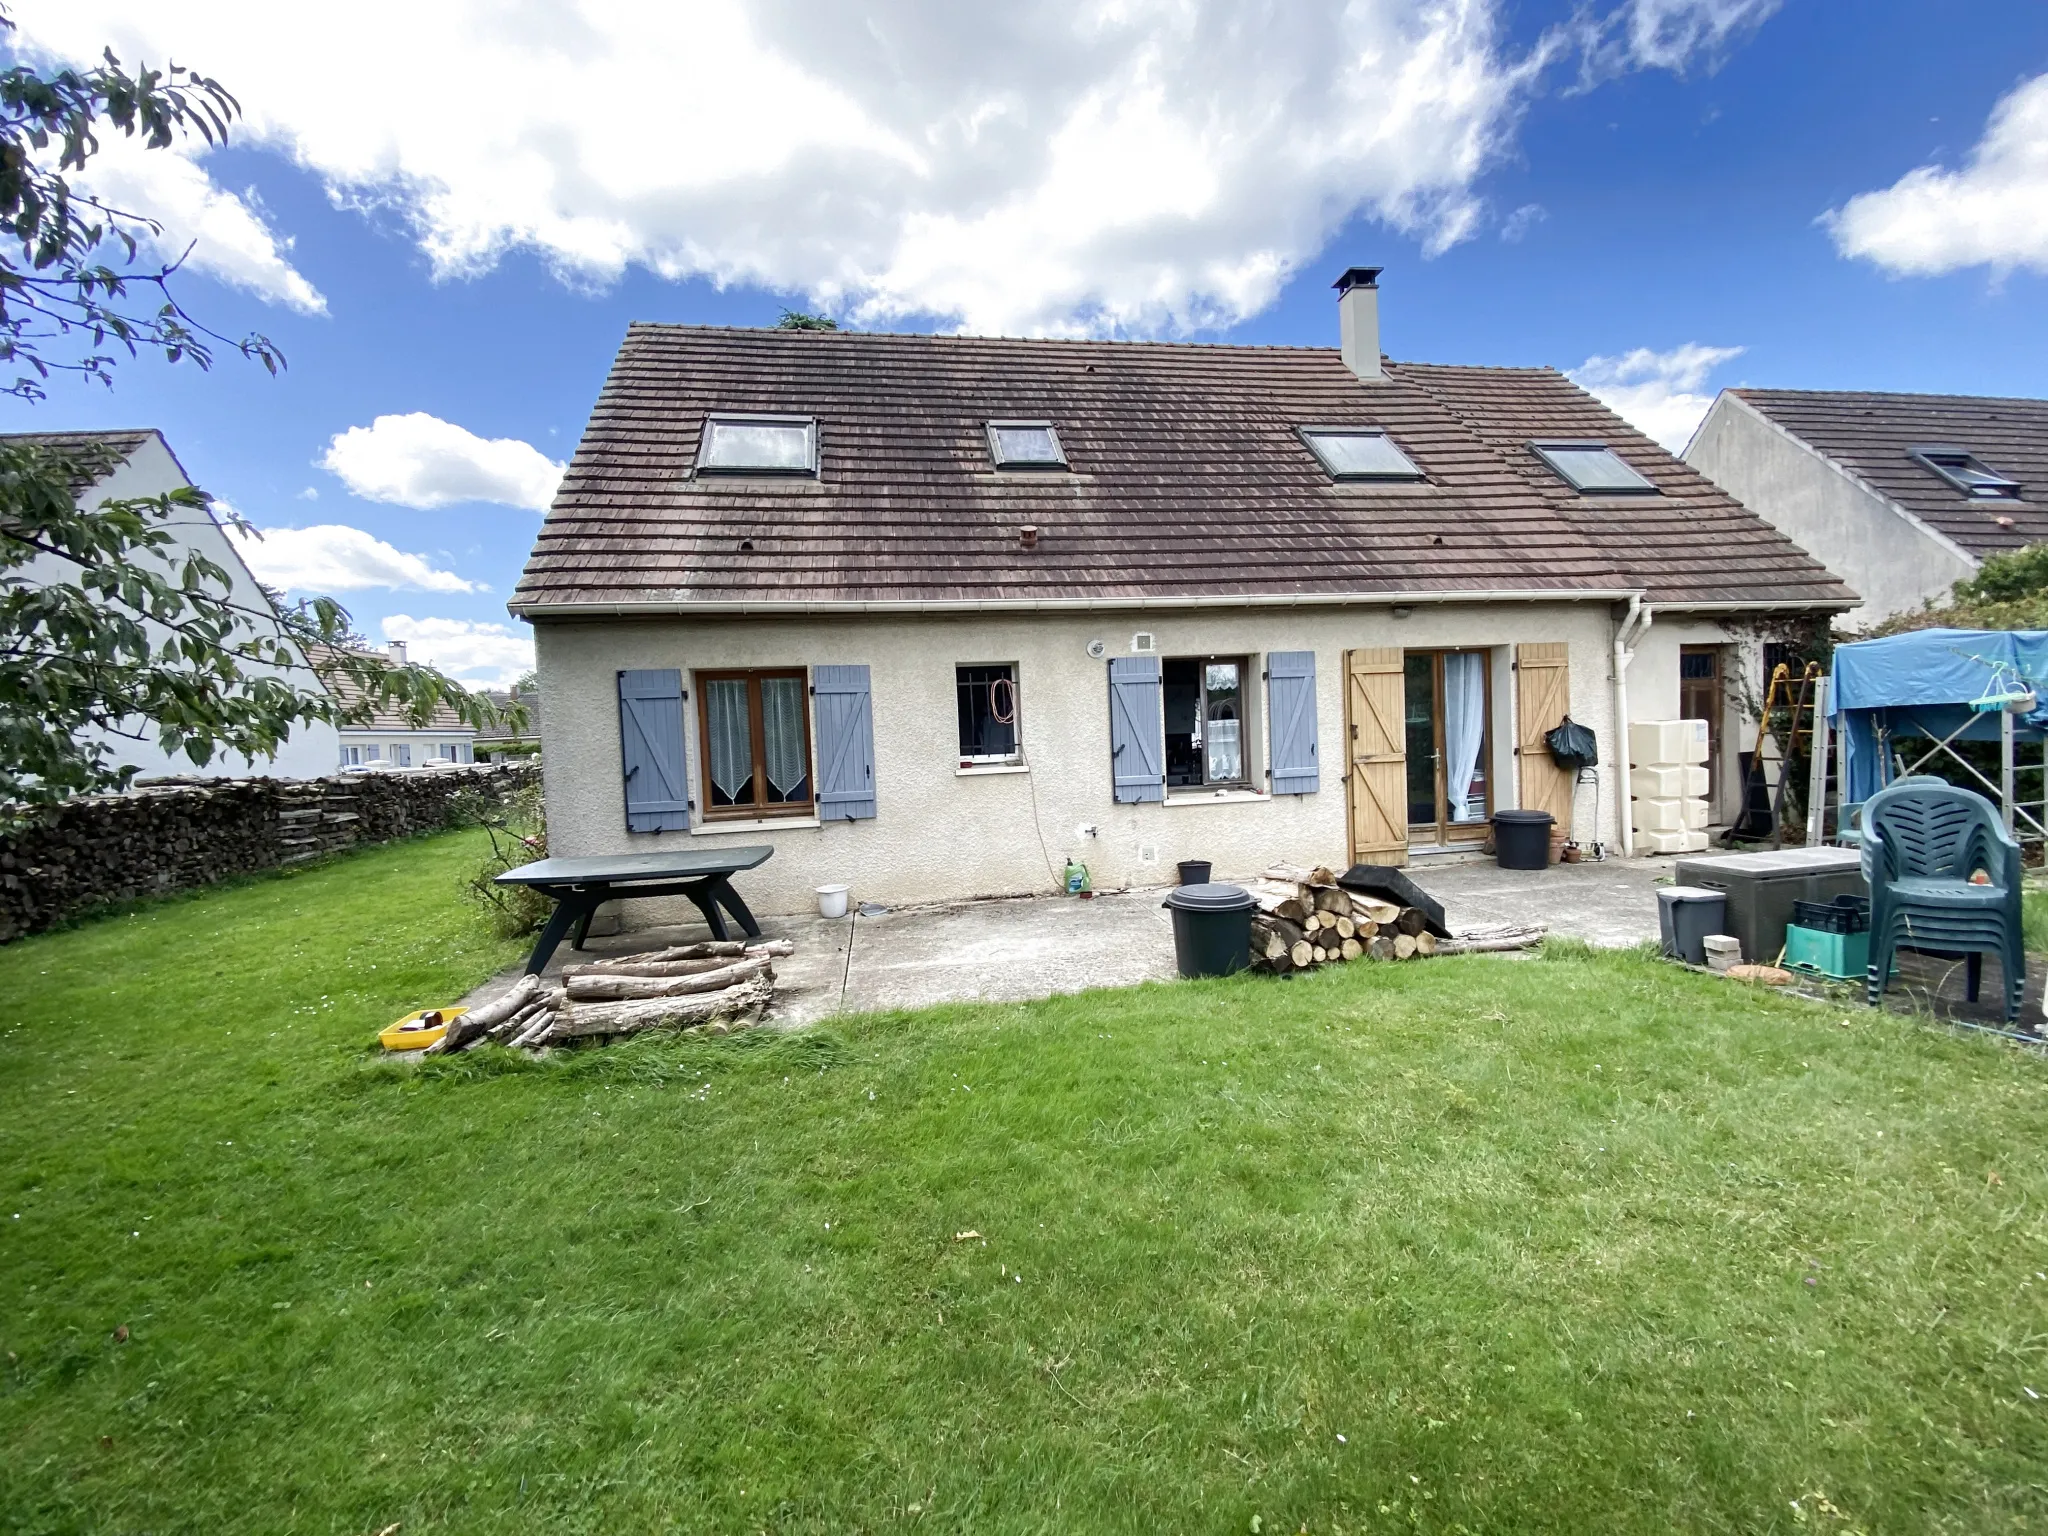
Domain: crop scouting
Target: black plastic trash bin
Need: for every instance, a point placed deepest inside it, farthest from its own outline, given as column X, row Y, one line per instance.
column 1686, row 915
column 1193, row 872
column 1212, row 929
column 1521, row 839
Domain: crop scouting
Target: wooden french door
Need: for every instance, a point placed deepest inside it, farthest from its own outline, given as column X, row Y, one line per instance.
column 1448, row 751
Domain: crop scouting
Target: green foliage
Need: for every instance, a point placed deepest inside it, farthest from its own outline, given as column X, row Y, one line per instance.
column 799, row 320
column 2009, row 591
column 517, row 827
column 110, row 623
column 58, row 288
column 2008, row 578
column 1584, row 1243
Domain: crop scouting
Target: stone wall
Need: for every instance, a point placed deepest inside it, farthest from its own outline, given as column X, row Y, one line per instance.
column 173, row 835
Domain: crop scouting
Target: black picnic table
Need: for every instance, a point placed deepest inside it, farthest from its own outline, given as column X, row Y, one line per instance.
column 580, row 886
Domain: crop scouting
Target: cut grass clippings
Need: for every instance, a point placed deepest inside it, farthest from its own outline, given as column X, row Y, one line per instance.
column 1574, row 1243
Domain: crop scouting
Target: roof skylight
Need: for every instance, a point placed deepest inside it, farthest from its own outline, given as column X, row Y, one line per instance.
column 1968, row 473
column 774, row 445
column 1359, row 453
column 1594, row 468
column 1025, row 445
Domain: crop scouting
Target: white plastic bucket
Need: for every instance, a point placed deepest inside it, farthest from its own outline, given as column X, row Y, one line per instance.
column 832, row 901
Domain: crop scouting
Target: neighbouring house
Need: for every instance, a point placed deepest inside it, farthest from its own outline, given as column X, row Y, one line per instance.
column 933, row 614
column 505, row 741
column 144, row 466
column 389, row 738
column 1900, row 495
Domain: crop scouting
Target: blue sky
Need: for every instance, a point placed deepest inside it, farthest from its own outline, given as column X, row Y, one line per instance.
column 448, row 248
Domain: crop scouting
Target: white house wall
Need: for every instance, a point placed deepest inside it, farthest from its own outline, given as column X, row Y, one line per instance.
column 940, row 833
column 1894, row 562
column 312, row 750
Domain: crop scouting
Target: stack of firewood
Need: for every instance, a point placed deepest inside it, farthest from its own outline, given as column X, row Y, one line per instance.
column 712, row 988
column 1306, row 919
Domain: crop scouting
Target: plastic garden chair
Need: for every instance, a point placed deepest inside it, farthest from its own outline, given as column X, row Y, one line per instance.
column 1922, row 841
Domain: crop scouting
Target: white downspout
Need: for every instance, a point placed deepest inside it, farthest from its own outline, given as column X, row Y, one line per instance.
column 1634, row 624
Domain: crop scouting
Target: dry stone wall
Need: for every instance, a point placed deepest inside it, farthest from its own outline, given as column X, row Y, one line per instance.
column 171, row 835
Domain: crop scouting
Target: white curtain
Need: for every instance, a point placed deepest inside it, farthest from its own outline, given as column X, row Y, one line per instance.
column 732, row 737
column 1464, row 729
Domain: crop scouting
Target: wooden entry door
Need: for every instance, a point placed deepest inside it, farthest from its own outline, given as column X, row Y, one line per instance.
column 1700, row 698
column 1376, row 780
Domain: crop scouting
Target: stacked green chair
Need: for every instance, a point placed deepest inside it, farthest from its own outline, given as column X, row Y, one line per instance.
column 1922, row 841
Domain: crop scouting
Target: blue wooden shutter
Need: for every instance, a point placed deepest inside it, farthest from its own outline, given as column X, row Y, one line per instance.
column 846, row 743
column 651, row 747
column 1137, row 729
column 1291, row 722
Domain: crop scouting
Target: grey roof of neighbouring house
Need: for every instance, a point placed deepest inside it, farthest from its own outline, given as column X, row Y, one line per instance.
column 1189, row 481
column 386, row 718
column 1869, row 436
column 118, row 444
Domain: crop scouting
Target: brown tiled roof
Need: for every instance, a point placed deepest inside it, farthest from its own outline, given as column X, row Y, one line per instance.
column 1189, row 481
column 1869, row 436
column 384, row 717
column 117, row 444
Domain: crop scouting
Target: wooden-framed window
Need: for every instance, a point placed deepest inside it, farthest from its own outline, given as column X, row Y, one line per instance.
column 756, row 731
column 1206, row 705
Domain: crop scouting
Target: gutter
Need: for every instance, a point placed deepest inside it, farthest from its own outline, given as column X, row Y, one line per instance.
column 677, row 608
column 1633, row 626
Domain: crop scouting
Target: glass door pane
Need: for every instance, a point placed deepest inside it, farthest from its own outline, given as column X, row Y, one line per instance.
column 1419, row 680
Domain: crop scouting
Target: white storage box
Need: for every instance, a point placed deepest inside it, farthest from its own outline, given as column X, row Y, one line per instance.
column 1673, row 814
column 1668, row 782
column 1667, row 743
column 1671, row 842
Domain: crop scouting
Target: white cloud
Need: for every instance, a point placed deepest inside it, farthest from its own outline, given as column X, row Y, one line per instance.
column 475, row 655
column 1518, row 224
column 421, row 461
column 227, row 233
column 1993, row 212
column 333, row 557
column 1127, row 165
column 1666, row 34
column 1658, row 393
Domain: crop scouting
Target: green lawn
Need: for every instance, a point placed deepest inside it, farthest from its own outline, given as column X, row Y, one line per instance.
column 1488, row 1244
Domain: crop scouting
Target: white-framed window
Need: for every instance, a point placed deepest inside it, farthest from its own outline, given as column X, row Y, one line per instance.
column 1207, row 704
column 351, row 757
column 986, row 695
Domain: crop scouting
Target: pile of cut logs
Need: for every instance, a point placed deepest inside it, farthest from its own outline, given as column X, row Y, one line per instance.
column 1306, row 919
column 713, row 988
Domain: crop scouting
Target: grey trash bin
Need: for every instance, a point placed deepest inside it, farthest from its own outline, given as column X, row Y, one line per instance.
column 1212, row 929
column 1686, row 914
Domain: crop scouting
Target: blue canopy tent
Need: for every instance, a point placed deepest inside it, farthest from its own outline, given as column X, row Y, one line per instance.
column 1900, row 703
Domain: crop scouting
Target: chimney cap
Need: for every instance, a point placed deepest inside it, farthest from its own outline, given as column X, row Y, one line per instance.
column 1358, row 277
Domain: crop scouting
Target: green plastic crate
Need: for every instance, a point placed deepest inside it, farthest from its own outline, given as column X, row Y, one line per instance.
column 1839, row 956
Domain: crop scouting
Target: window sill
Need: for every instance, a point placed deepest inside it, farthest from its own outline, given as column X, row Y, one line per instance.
column 1184, row 797
column 985, row 770
column 765, row 824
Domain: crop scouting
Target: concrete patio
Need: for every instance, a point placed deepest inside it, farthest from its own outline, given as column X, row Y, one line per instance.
column 1013, row 950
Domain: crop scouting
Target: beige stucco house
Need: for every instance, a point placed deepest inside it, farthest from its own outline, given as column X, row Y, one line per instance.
column 934, row 614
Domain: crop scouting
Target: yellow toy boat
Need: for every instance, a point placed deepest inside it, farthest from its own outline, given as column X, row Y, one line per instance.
column 417, row 1031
